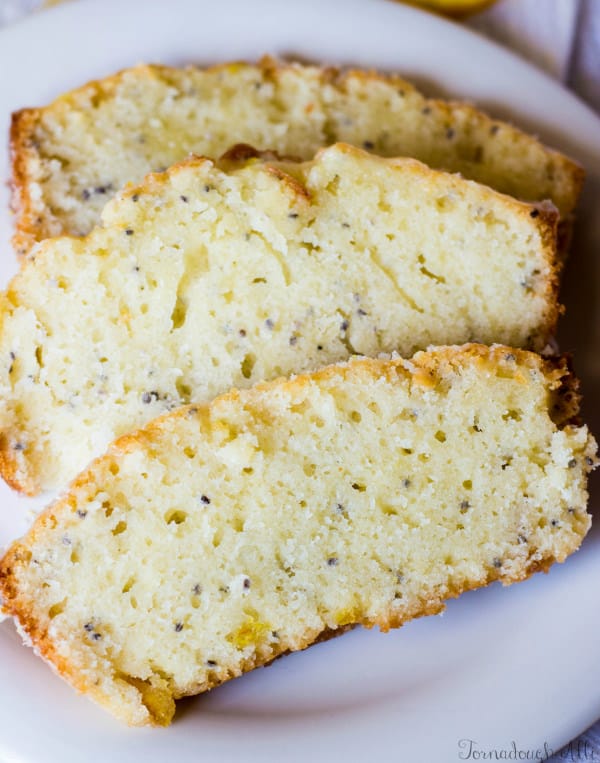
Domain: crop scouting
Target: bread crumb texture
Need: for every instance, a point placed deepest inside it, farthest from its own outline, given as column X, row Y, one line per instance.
column 71, row 156
column 203, row 278
column 226, row 534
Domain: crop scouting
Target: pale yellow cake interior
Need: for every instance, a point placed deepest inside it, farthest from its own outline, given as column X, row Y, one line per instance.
column 224, row 535
column 201, row 280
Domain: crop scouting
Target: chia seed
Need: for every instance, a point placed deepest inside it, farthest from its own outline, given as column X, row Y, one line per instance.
column 129, row 231
column 184, row 199
column 178, row 627
column 572, row 463
column 534, row 213
column 205, row 499
column 368, row 144
column 332, row 561
column 246, row 583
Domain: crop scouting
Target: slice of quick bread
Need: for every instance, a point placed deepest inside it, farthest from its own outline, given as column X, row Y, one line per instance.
column 202, row 279
column 226, row 534
column 71, row 156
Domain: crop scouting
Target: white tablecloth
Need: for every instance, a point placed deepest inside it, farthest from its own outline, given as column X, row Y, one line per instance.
column 560, row 36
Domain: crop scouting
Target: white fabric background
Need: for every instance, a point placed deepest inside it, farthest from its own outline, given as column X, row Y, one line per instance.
column 560, row 36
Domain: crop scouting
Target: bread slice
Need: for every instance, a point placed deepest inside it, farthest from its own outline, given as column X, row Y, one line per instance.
column 202, row 279
column 70, row 156
column 226, row 534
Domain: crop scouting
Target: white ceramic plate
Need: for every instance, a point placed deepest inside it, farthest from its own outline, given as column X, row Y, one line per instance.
column 503, row 666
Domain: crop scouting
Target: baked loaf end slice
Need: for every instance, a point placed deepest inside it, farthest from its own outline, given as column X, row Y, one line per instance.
column 226, row 534
column 202, row 279
column 70, row 156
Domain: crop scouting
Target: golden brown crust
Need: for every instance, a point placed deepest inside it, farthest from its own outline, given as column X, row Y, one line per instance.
column 28, row 228
column 31, row 227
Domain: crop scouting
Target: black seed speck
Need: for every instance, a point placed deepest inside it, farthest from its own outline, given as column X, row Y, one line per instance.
column 344, row 326
column 522, row 538
column 205, row 499
column 464, row 506
column 572, row 463
column 19, row 446
column 319, row 347
column 178, row 627
column 534, row 213
column 197, row 589
column 135, row 198
column 497, row 563
column 129, row 231
column 293, row 340
column 332, row 561
column 147, row 397
column 571, row 510
column 510, row 357
column 360, row 311
column 97, row 636
column 242, row 332
column 275, row 634
column 293, row 215
column 85, row 194
column 102, row 189
column 554, row 522
column 450, row 133
column 345, row 225
column 406, row 482
column 269, row 324
column 136, row 268
column 184, row 199
column 589, row 461
column 368, row 144
column 81, row 513
column 340, row 508
column 89, row 627
column 246, row 583
column 211, row 664
column 207, row 188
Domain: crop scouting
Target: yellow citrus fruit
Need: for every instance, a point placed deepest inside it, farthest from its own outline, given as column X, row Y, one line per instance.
column 453, row 7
